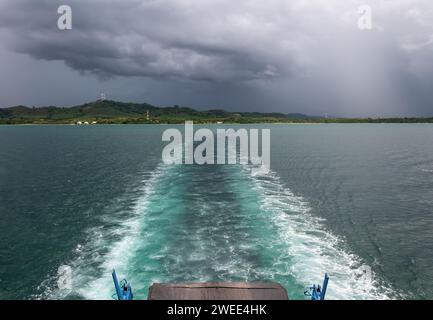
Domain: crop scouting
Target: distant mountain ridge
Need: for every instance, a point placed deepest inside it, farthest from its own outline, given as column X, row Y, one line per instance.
column 112, row 112
column 108, row 111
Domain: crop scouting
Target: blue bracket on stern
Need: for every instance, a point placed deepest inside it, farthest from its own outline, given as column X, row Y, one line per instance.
column 317, row 292
column 123, row 290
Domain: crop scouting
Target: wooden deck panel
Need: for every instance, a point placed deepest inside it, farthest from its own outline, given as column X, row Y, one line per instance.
column 217, row 291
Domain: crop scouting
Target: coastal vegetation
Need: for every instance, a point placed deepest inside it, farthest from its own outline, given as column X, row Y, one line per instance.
column 113, row 112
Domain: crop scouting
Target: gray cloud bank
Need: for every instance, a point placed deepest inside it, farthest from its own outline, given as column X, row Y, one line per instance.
column 307, row 55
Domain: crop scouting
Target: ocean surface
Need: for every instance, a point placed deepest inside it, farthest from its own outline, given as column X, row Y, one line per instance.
column 355, row 201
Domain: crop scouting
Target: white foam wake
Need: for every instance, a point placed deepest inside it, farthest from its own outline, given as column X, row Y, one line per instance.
column 122, row 251
column 313, row 249
column 107, row 248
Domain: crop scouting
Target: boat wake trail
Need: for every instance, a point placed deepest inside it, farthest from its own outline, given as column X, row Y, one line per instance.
column 108, row 246
column 313, row 249
column 214, row 223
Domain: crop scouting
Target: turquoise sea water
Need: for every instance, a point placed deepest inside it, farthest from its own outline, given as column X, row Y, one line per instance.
column 339, row 199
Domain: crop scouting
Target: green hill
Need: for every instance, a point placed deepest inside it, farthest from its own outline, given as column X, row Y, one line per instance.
column 107, row 112
column 120, row 112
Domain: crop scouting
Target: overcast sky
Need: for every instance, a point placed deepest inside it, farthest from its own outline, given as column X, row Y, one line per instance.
column 304, row 56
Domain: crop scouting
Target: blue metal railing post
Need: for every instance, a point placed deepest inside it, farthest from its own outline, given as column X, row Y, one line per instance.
column 324, row 287
column 116, row 285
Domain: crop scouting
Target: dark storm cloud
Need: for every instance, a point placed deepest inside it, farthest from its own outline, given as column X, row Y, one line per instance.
column 184, row 39
column 306, row 56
